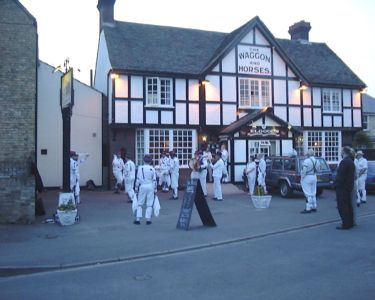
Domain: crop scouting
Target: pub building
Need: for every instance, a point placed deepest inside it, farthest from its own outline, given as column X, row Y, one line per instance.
column 176, row 88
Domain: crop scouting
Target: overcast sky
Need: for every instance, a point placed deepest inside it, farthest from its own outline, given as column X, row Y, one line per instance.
column 69, row 28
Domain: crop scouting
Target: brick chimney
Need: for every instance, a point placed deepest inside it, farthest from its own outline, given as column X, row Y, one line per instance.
column 300, row 31
column 106, row 9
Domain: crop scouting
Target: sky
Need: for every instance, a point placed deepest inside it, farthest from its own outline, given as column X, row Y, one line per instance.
column 70, row 28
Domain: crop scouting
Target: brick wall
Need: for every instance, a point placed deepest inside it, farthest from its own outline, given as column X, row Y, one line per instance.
column 18, row 52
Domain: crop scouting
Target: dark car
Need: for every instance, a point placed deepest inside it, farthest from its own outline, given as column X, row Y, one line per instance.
column 284, row 174
column 370, row 181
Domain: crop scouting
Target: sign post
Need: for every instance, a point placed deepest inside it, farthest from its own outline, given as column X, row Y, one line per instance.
column 66, row 102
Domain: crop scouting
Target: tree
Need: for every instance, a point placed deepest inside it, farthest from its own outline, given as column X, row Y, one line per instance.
column 361, row 140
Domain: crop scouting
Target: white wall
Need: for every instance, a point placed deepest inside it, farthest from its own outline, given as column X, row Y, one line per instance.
column 103, row 65
column 86, row 128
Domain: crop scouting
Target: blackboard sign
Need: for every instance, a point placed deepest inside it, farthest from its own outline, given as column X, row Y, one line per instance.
column 194, row 194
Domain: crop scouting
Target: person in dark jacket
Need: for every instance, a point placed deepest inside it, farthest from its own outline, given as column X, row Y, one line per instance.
column 344, row 185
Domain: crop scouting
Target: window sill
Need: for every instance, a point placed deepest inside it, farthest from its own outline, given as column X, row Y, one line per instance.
column 160, row 106
column 332, row 112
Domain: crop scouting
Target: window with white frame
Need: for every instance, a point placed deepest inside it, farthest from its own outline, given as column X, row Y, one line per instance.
column 254, row 93
column 326, row 144
column 154, row 141
column 159, row 91
column 365, row 122
column 331, row 100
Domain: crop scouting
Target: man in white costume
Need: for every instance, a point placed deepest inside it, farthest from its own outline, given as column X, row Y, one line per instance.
column 218, row 169
column 75, row 161
column 309, row 180
column 362, row 166
column 118, row 169
column 129, row 178
column 146, row 185
column 175, row 173
column 201, row 172
column 224, row 157
column 251, row 172
column 208, row 155
column 164, row 167
column 262, row 172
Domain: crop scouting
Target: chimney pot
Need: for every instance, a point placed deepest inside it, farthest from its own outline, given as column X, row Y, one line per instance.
column 106, row 11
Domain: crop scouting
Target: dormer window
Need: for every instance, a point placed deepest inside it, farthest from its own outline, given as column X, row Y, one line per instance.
column 254, row 93
column 331, row 100
column 159, row 91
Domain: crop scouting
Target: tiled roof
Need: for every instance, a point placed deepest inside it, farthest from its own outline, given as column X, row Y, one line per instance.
column 368, row 104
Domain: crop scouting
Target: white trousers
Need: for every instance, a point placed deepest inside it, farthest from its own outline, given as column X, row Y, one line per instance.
column 202, row 178
column 165, row 180
column 262, row 181
column 118, row 176
column 129, row 188
column 251, row 183
column 217, row 188
column 361, row 188
column 226, row 179
column 174, row 184
column 74, row 188
column 146, row 194
column 309, row 188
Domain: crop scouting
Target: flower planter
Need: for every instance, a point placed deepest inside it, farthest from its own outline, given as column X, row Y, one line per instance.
column 67, row 217
column 261, row 201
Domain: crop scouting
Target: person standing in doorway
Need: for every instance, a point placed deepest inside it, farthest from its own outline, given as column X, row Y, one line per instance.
column 218, row 169
column 344, row 185
column 146, row 185
column 118, row 169
column 362, row 166
column 262, row 172
column 129, row 178
column 225, row 157
column 309, row 181
column 251, row 171
column 175, row 174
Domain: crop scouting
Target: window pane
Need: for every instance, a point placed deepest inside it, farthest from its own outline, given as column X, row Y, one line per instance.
column 254, row 85
column 244, row 93
column 332, row 147
column 314, row 141
column 184, row 150
column 265, row 93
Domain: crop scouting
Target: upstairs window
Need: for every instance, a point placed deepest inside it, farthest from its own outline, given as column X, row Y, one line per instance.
column 159, row 91
column 365, row 122
column 254, row 93
column 331, row 100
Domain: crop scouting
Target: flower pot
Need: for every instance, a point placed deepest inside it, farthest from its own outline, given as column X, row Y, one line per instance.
column 67, row 217
column 261, row 201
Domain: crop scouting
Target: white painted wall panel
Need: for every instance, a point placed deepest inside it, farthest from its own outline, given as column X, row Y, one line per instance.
column 152, row 117
column 356, row 98
column 295, row 116
column 260, row 39
column 307, row 97
column 287, row 146
column 294, row 92
column 327, row 121
column 229, row 88
column 249, row 38
column 193, row 114
column 228, row 63
column 347, row 97
column 121, row 86
column 136, row 112
column 180, row 113
column 270, row 122
column 357, row 118
column 121, row 111
column 103, row 65
column 213, row 114
column 212, row 88
column 290, row 73
column 180, row 89
column 242, row 114
column 238, row 171
column 216, row 69
column 136, row 86
column 229, row 113
column 167, row 117
column 280, row 111
column 278, row 65
column 307, row 118
column 317, row 98
column 337, row 121
column 317, row 117
column 240, row 151
column 193, row 90
column 280, row 91
column 348, row 118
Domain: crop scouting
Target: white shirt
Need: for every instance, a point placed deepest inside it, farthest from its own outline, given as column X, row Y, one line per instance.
column 224, row 155
column 309, row 166
column 218, row 168
column 262, row 167
column 165, row 164
column 117, row 164
column 251, row 169
column 362, row 166
column 207, row 155
column 129, row 170
column 146, row 175
column 175, row 165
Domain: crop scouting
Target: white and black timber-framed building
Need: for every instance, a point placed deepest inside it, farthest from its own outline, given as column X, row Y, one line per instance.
column 174, row 88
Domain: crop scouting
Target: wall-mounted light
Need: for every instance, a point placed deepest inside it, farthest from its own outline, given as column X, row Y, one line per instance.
column 205, row 81
column 363, row 91
column 302, row 86
column 204, row 138
column 115, row 76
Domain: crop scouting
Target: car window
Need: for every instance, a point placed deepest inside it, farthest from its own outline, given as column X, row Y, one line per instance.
column 322, row 164
column 290, row 165
column 277, row 164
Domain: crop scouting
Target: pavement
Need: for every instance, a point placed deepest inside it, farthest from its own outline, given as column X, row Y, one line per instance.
column 106, row 233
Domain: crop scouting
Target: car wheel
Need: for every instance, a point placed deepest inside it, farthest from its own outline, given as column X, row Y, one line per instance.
column 285, row 190
column 319, row 191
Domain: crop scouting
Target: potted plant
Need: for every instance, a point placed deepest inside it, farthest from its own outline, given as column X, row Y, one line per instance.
column 67, row 212
column 260, row 199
